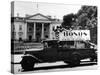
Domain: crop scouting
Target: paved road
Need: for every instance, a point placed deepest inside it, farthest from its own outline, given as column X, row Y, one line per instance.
column 57, row 66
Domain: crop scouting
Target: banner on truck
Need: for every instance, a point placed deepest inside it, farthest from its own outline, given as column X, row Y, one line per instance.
column 74, row 35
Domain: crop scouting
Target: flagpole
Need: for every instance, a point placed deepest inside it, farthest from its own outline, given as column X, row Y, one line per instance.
column 37, row 8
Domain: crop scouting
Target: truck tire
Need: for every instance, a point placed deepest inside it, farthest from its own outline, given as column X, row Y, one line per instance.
column 27, row 64
column 75, row 60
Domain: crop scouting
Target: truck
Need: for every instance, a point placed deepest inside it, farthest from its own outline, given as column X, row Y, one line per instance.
column 70, row 52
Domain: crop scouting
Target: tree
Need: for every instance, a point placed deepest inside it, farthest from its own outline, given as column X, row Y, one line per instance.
column 87, row 19
column 68, row 20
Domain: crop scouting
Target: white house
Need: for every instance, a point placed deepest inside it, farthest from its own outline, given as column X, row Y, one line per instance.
column 33, row 28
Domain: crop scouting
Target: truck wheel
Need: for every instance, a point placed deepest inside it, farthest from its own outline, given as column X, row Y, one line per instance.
column 75, row 60
column 27, row 64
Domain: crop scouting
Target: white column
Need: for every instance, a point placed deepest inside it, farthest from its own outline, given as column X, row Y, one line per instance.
column 49, row 31
column 42, row 34
column 25, row 31
column 34, row 32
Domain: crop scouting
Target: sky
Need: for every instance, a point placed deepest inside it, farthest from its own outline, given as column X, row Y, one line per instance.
column 52, row 9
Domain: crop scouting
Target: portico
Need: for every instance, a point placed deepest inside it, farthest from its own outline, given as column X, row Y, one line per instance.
column 34, row 28
column 37, row 28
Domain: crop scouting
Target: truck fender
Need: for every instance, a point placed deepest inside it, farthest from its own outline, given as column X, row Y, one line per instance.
column 76, row 54
column 28, row 56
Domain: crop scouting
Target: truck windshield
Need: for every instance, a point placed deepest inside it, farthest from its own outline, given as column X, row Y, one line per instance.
column 49, row 44
column 67, row 44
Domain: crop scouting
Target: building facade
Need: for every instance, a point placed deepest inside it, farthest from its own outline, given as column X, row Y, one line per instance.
column 33, row 28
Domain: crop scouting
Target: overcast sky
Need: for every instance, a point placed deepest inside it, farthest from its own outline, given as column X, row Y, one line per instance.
column 31, row 8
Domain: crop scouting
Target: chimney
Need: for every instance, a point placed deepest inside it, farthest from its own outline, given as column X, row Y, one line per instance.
column 17, row 14
column 49, row 16
column 26, row 15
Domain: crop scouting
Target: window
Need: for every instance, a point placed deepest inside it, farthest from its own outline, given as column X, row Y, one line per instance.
column 64, row 34
column 20, row 33
column 46, row 36
column 20, row 39
column 70, row 42
column 50, row 44
column 67, row 44
column 20, row 27
column 30, row 29
column 44, row 29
